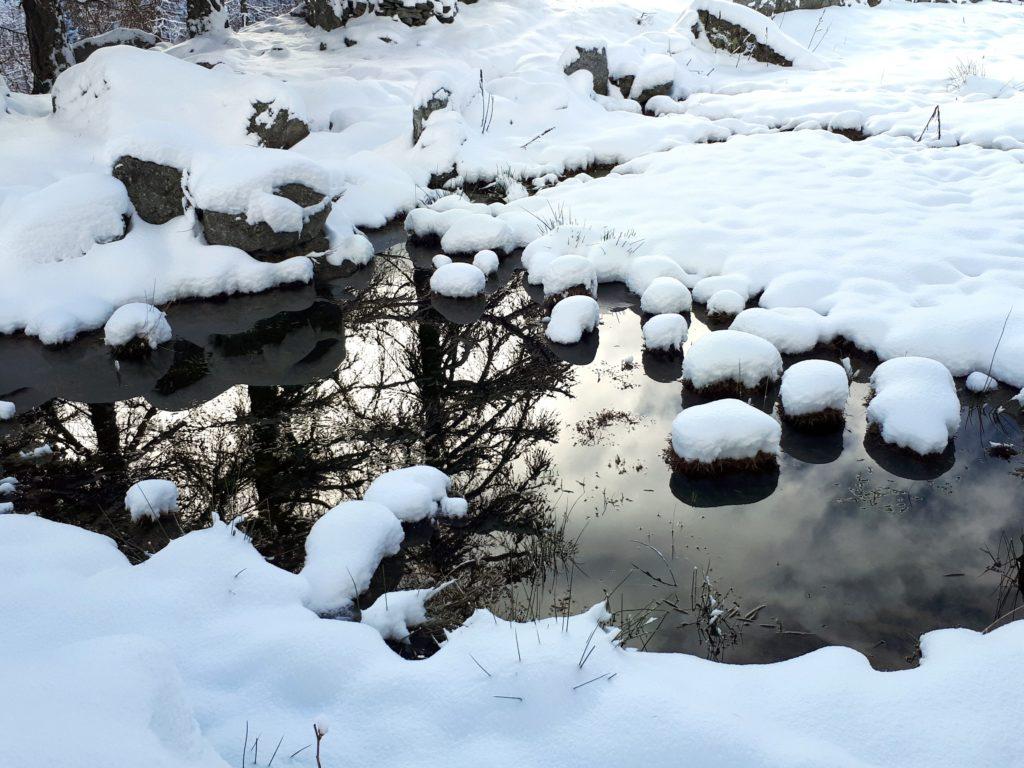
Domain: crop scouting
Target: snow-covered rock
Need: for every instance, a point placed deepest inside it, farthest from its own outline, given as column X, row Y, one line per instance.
column 393, row 614
column 151, row 499
column 718, row 436
column 814, row 390
column 7, row 410
column 664, row 295
column 416, row 493
column 567, row 272
column 915, row 404
column 487, row 262
column 458, row 280
column 731, row 357
column 571, row 318
column 979, row 383
column 739, row 30
column 665, row 332
column 137, row 321
column 440, row 260
column 726, row 303
column 343, row 550
column 472, row 233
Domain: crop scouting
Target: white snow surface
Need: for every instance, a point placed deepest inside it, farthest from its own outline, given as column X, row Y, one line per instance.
column 724, row 429
column 393, row 614
column 666, row 332
column 571, row 317
column 569, row 271
column 7, row 410
column 487, row 262
column 915, row 404
column 731, row 356
column 151, row 499
column 664, row 295
column 137, row 321
column 416, row 493
column 458, row 280
column 813, row 386
column 726, row 302
column 979, row 382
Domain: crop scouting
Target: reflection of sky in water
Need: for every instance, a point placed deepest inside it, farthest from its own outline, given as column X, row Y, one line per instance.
column 843, row 551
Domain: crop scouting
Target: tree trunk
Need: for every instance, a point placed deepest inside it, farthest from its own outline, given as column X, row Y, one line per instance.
column 204, row 17
column 48, row 45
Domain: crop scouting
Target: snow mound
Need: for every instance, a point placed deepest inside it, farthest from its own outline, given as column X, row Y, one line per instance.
column 440, row 260
column 791, row 330
column 416, row 493
column 813, row 386
column 7, row 410
column 343, row 550
column 569, row 271
column 726, row 302
column 393, row 614
column 458, row 280
column 724, row 430
column 571, row 318
column 644, row 270
column 664, row 295
column 64, row 220
column 473, row 233
column 915, row 404
column 137, row 321
column 978, row 383
column 151, row 499
column 487, row 262
column 731, row 356
column 665, row 332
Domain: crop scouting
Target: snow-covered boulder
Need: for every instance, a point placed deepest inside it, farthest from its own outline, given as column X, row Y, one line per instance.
column 572, row 317
column 65, row 220
column 151, row 499
column 655, row 77
column 155, row 189
column 136, row 322
column 570, row 273
column 742, row 31
column 665, row 333
column 7, row 410
column 458, row 280
column 644, row 270
column 914, row 404
column 474, row 232
column 343, row 550
column 980, row 383
column 725, row 303
column 664, row 295
column 487, row 262
column 589, row 56
column 137, row 38
column 813, row 394
column 416, row 493
column 724, row 436
column 724, row 362
column 432, row 94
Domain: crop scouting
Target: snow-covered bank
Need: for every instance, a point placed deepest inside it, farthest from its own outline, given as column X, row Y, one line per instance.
column 167, row 663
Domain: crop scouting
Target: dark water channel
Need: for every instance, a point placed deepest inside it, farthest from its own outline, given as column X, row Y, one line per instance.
column 281, row 405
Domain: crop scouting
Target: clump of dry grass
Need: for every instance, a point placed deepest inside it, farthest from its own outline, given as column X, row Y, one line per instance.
column 762, row 462
column 827, row 420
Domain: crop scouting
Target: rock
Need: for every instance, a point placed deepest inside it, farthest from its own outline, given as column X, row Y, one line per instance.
column 322, row 14
column 283, row 131
column 624, row 84
column 592, row 58
column 136, row 38
column 439, row 100
column 259, row 239
column 771, row 7
column 733, row 38
column 662, row 89
column 154, row 189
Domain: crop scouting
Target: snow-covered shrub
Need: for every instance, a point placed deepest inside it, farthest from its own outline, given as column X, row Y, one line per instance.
column 395, row 613
column 724, row 436
column 665, row 333
column 813, row 394
column 458, row 280
column 151, row 499
column 724, row 362
column 914, row 404
column 136, row 327
column 572, row 317
column 416, row 493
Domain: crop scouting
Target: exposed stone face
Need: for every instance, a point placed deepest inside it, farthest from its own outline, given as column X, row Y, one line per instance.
column 594, row 61
column 259, row 239
column 624, row 84
column 321, row 13
column 733, row 38
column 420, row 114
column 154, row 189
column 664, row 89
column 283, row 132
column 137, row 38
column 771, row 7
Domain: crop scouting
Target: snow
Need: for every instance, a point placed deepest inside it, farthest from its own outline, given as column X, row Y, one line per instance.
column 458, row 280
column 724, row 429
column 487, row 262
column 643, row 271
column 813, row 386
column 978, row 383
column 726, row 302
column 477, row 232
column 570, row 318
column 791, row 330
column 731, row 356
column 440, row 260
column 664, row 295
column 137, row 321
column 915, row 404
column 665, row 332
column 151, row 499
column 416, row 493
column 343, row 549
column 393, row 614
column 569, row 271
column 7, row 410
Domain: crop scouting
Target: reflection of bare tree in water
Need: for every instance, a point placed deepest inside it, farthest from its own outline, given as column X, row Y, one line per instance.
column 1007, row 562
column 412, row 388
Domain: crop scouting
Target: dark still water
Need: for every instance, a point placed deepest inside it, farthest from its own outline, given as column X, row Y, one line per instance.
column 281, row 405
